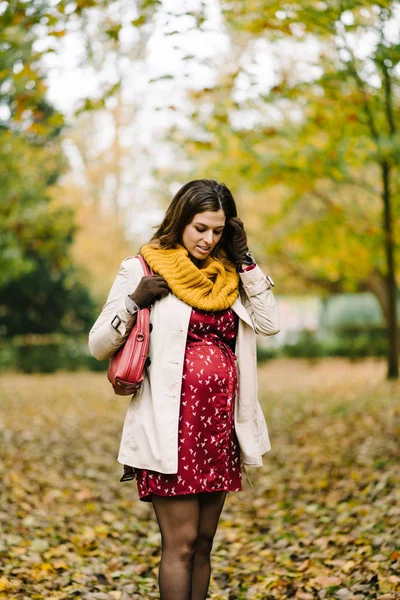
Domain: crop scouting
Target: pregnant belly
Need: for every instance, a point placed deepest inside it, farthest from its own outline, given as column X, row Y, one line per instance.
column 206, row 428
column 209, row 370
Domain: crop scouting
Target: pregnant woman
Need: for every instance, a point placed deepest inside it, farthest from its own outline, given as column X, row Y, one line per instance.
column 195, row 423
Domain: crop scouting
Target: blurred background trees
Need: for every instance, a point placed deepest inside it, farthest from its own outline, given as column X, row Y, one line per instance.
column 44, row 288
column 295, row 107
column 39, row 288
column 319, row 148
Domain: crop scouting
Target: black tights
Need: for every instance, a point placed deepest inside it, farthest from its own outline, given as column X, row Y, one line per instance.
column 188, row 525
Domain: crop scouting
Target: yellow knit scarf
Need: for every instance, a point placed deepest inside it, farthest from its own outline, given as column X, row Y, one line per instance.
column 213, row 287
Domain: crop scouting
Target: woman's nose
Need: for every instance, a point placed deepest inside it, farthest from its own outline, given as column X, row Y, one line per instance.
column 208, row 237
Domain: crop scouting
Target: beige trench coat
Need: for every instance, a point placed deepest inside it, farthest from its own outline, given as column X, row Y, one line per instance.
column 150, row 432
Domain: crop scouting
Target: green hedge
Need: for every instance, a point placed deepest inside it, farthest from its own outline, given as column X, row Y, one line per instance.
column 351, row 342
column 47, row 354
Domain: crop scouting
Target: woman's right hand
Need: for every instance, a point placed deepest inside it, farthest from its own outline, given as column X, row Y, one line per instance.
column 150, row 288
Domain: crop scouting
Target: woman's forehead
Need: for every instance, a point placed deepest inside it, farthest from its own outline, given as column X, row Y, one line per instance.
column 210, row 218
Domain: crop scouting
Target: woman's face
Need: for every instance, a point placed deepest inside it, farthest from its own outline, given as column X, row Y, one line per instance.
column 204, row 232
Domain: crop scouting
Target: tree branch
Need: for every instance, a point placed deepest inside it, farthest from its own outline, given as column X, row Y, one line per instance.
column 361, row 87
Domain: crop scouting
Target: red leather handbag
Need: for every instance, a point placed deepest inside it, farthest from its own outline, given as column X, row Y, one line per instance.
column 126, row 367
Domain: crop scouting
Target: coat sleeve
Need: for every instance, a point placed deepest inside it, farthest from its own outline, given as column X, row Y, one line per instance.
column 259, row 301
column 104, row 338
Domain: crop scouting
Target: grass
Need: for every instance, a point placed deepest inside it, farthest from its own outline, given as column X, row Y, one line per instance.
column 321, row 520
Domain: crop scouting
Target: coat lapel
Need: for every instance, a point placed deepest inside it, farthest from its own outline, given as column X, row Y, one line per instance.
column 184, row 311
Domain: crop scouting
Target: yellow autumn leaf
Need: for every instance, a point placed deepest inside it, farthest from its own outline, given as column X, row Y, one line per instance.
column 4, row 584
column 59, row 564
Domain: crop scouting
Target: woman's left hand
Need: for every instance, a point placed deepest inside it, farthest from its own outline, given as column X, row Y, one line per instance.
column 237, row 239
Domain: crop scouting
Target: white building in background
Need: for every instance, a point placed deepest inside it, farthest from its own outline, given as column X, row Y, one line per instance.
column 298, row 313
column 324, row 316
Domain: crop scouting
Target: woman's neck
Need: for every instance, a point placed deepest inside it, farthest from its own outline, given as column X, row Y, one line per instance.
column 197, row 262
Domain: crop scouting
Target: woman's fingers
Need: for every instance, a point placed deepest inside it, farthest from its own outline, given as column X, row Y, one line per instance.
column 159, row 279
column 164, row 292
column 236, row 222
column 161, row 287
column 150, row 287
column 161, row 283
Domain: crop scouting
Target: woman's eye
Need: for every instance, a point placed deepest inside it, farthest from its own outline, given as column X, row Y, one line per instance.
column 203, row 230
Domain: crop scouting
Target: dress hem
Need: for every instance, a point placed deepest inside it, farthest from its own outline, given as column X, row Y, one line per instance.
column 147, row 497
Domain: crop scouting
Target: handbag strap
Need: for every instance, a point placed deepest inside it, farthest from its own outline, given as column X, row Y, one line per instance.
column 146, row 268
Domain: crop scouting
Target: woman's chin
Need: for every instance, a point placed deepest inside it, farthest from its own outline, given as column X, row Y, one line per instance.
column 198, row 257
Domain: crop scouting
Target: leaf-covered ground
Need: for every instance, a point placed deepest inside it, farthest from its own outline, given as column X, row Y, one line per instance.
column 322, row 519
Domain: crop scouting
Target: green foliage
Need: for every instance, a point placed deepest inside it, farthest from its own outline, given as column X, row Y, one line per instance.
column 350, row 342
column 47, row 354
column 39, row 287
column 318, row 151
column 306, row 346
column 32, row 228
column 46, row 300
column 313, row 150
column 353, row 342
column 31, row 158
column 30, row 152
column 356, row 342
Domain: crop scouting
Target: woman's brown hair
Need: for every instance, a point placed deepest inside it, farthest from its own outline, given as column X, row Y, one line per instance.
column 194, row 197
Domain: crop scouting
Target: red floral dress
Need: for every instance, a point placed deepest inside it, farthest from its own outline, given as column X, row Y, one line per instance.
column 208, row 450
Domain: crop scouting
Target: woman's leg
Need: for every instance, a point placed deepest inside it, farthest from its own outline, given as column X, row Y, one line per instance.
column 211, row 504
column 178, row 519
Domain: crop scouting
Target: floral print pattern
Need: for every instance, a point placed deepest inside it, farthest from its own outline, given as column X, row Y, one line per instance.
column 208, row 450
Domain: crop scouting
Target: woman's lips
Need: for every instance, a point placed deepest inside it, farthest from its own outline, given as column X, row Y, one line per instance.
column 203, row 250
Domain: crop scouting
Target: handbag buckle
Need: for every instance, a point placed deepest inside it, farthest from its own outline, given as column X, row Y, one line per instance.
column 118, row 323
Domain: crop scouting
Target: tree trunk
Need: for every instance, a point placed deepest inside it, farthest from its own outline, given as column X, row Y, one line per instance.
column 393, row 346
column 376, row 284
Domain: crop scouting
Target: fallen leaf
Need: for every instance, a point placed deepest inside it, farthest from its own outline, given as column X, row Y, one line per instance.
column 4, row 584
column 74, row 514
column 302, row 567
column 325, row 581
column 348, row 566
